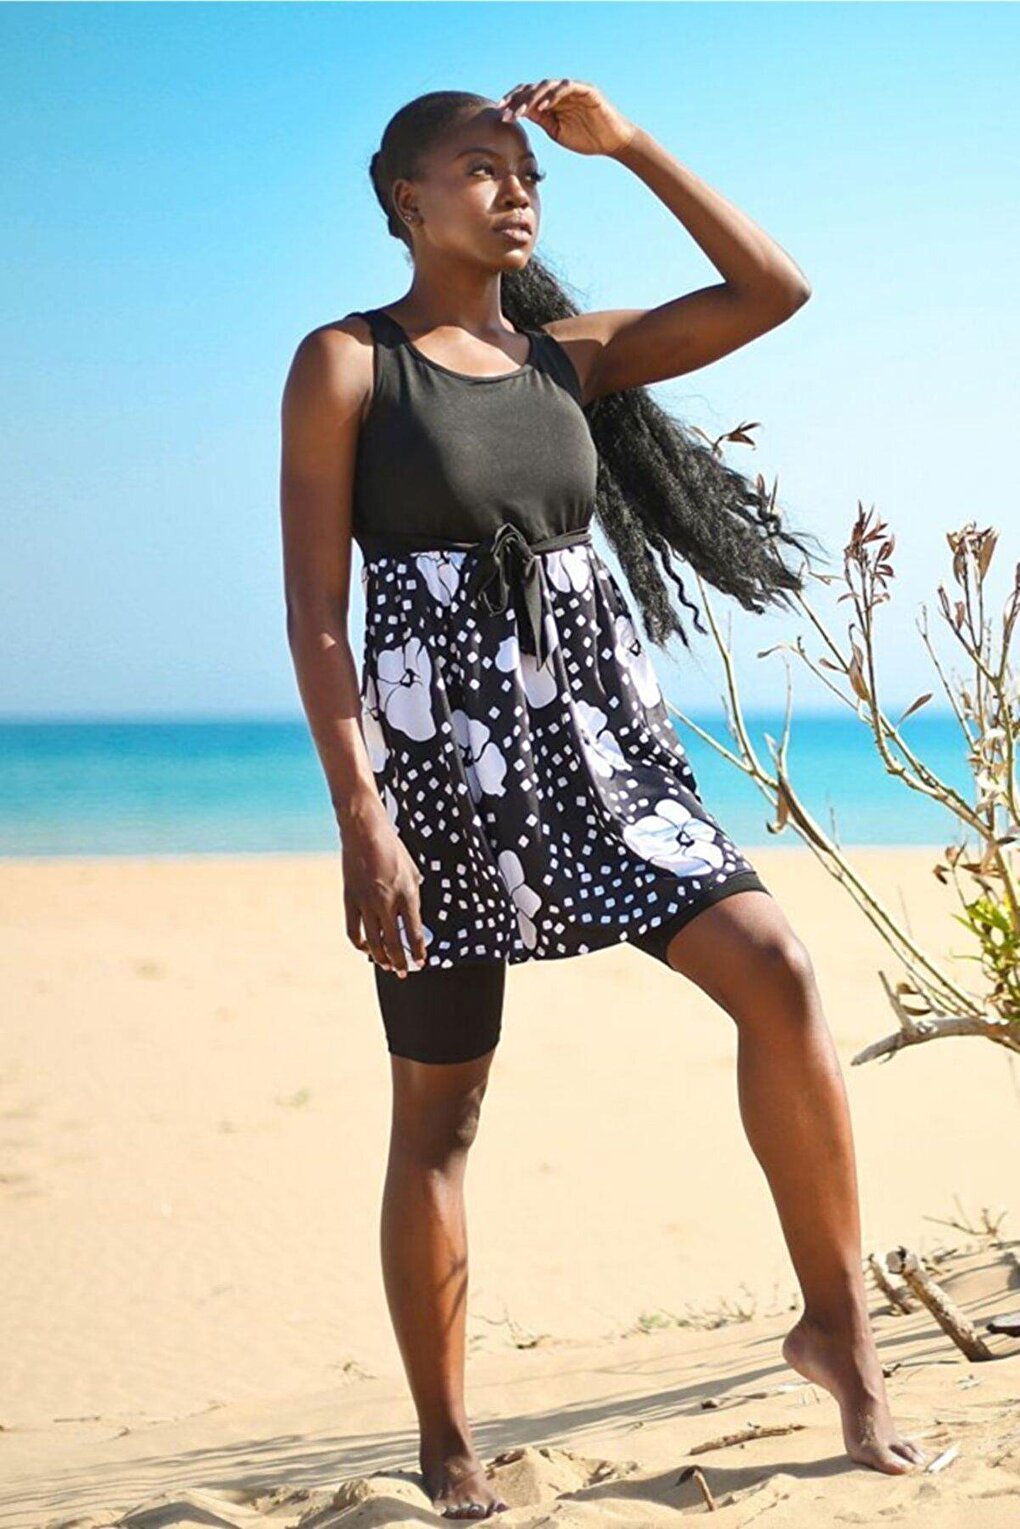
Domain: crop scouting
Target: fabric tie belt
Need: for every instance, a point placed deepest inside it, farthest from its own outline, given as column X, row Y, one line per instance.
column 506, row 570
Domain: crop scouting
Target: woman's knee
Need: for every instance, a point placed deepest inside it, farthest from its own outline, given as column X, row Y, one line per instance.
column 777, row 978
column 785, row 958
column 756, row 964
column 437, row 1108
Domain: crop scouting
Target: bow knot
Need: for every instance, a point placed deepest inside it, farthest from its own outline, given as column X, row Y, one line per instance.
column 507, row 570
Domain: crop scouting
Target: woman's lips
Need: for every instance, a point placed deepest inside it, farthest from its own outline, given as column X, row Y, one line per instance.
column 519, row 235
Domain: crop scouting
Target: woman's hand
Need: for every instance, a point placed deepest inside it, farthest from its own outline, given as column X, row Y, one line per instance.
column 381, row 883
column 575, row 115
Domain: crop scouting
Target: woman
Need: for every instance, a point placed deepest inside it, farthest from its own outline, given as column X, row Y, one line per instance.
column 506, row 780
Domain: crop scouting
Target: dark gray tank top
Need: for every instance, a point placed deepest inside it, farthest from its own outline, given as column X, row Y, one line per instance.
column 446, row 458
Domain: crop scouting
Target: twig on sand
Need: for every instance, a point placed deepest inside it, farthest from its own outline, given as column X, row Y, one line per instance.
column 895, row 1294
column 950, row 1318
column 745, row 1435
column 690, row 1472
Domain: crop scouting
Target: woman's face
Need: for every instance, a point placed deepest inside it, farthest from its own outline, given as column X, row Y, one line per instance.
column 482, row 177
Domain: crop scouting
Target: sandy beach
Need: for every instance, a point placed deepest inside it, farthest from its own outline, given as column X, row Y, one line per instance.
column 195, row 1116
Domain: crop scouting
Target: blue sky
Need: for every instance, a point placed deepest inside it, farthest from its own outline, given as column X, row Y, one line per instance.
column 187, row 195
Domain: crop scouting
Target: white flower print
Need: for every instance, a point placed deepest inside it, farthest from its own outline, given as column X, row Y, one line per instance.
column 631, row 653
column 441, row 571
column 568, row 568
column 538, row 681
column 484, row 763
column 507, row 778
column 389, row 802
column 526, row 900
column 375, row 739
column 601, row 749
column 508, row 655
column 675, row 839
column 405, row 682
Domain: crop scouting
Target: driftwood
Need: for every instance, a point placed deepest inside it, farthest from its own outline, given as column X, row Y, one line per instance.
column 693, row 1471
column 950, row 1318
column 896, row 1295
column 752, row 1431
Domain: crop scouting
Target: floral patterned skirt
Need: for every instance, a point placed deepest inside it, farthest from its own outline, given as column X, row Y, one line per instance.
column 549, row 806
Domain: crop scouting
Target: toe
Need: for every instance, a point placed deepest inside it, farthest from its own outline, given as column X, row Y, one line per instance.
column 878, row 1458
column 895, row 1464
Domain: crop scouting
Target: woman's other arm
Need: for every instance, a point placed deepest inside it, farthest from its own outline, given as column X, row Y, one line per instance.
column 326, row 390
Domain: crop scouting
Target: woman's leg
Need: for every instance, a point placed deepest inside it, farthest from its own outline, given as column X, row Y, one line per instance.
column 743, row 953
column 436, row 1019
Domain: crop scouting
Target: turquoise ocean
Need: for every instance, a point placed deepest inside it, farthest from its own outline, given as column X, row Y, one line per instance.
column 255, row 786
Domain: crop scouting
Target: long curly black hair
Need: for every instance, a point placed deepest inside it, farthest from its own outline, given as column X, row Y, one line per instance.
column 660, row 491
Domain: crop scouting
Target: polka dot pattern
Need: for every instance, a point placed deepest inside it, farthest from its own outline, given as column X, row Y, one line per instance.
column 550, row 808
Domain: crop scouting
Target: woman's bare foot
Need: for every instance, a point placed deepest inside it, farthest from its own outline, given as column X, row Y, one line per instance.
column 458, row 1486
column 846, row 1363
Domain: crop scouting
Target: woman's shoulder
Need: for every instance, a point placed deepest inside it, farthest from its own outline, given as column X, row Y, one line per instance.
column 338, row 333
column 336, row 338
column 335, row 360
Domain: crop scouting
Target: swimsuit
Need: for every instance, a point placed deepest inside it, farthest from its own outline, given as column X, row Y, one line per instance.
column 512, row 717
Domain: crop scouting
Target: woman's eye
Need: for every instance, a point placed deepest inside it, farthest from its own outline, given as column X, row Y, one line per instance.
column 532, row 175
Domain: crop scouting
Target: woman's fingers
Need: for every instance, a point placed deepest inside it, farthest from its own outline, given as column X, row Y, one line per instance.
column 352, row 919
column 385, row 922
column 398, row 951
column 410, row 911
column 375, row 936
column 394, row 944
column 545, row 100
column 514, row 100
